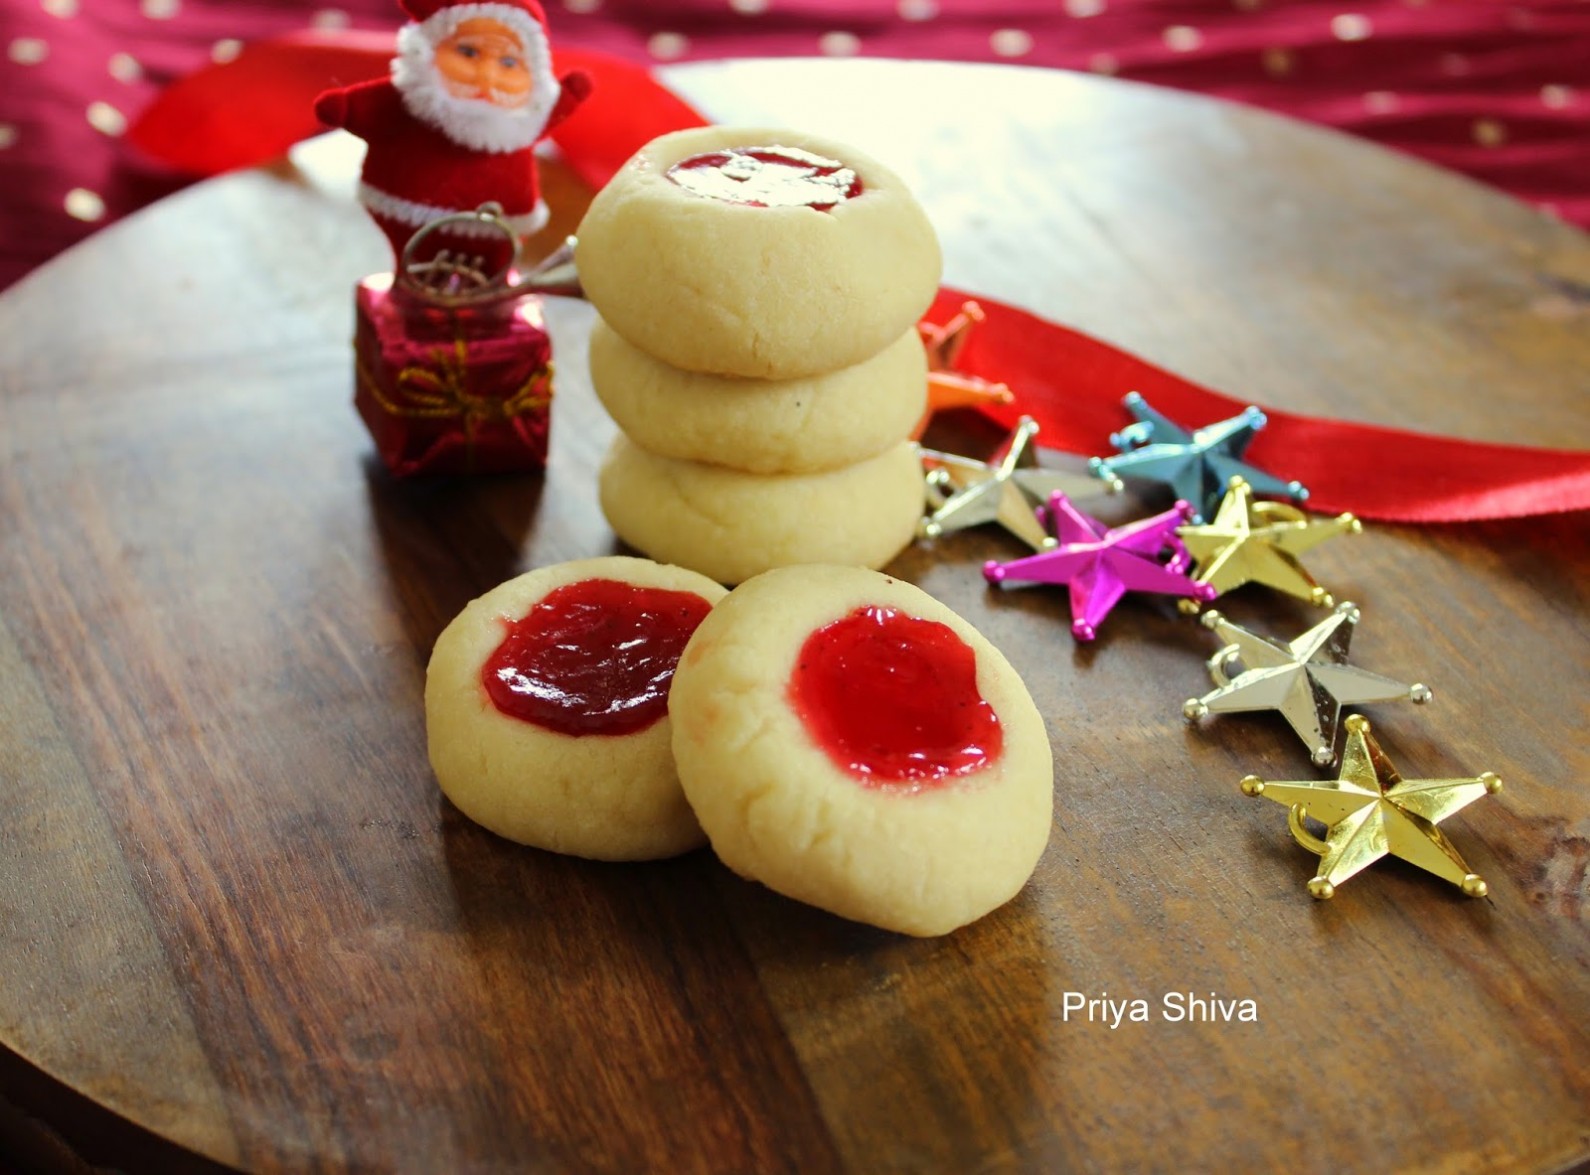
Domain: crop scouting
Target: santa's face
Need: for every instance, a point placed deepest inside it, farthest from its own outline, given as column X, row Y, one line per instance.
column 482, row 60
column 484, row 79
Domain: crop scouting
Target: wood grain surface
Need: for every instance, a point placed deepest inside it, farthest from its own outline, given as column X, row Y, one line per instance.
column 238, row 922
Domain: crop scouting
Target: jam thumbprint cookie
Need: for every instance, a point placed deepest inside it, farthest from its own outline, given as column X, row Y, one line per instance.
column 801, row 425
column 769, row 254
column 546, row 707
column 850, row 742
column 731, row 525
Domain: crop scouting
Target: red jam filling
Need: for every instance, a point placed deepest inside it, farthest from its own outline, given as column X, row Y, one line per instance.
column 593, row 657
column 893, row 700
column 768, row 177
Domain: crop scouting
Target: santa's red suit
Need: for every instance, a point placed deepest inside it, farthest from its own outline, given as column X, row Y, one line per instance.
column 432, row 154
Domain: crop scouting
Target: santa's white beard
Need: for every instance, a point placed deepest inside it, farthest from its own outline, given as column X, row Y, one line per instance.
column 475, row 123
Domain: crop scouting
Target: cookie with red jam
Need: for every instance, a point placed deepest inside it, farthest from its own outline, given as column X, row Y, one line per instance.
column 546, row 707
column 849, row 741
column 767, row 254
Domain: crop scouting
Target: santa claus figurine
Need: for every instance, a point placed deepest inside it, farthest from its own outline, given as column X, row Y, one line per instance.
column 470, row 94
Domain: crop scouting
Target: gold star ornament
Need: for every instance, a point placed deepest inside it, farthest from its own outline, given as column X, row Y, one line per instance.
column 1259, row 542
column 1370, row 811
column 945, row 343
column 948, row 387
column 947, row 390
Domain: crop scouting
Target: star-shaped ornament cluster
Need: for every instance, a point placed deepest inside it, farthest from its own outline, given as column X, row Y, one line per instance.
column 1101, row 564
column 1007, row 489
column 1371, row 812
column 1307, row 680
column 1259, row 542
column 1225, row 531
column 1196, row 465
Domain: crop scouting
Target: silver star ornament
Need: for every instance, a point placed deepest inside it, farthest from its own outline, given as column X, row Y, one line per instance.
column 1308, row 680
column 1007, row 489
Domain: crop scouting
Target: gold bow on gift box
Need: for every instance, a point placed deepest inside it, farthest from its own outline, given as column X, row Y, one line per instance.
column 441, row 391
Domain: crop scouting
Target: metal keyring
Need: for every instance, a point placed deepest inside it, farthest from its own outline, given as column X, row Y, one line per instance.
column 456, row 279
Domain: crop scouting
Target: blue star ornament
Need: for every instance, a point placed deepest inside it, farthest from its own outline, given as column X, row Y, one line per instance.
column 1194, row 465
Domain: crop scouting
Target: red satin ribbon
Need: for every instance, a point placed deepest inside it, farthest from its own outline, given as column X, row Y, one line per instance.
column 1072, row 384
column 253, row 108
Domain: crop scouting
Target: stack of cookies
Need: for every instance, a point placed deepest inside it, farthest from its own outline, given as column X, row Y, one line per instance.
column 758, row 294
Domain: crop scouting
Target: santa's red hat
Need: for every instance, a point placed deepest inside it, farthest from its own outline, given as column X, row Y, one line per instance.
column 413, row 70
column 525, row 17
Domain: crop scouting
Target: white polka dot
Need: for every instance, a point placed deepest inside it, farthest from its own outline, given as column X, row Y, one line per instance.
column 8, row 135
column 1277, row 62
column 1183, row 38
column 124, row 67
column 1489, row 132
column 1010, row 42
column 749, row 7
column 1381, row 102
column 225, row 50
column 917, row 9
column 329, row 18
column 27, row 50
column 82, row 204
column 65, row 9
column 105, row 118
column 582, row 6
column 1455, row 65
column 667, row 46
column 1084, row 7
column 1556, row 97
column 839, row 44
column 1106, row 63
column 159, row 9
column 1351, row 26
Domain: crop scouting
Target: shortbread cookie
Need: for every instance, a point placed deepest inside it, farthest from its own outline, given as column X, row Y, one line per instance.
column 730, row 525
column 546, row 707
column 848, row 741
column 752, row 252
column 762, row 426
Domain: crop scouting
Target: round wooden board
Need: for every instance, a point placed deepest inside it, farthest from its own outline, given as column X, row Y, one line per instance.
column 235, row 912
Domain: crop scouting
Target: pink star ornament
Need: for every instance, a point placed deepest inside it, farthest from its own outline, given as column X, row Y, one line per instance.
column 1101, row 565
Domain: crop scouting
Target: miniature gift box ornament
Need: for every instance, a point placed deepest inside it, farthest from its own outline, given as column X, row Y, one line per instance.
column 454, row 363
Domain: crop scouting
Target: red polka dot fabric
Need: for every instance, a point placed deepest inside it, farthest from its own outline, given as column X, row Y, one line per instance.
column 1498, row 90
